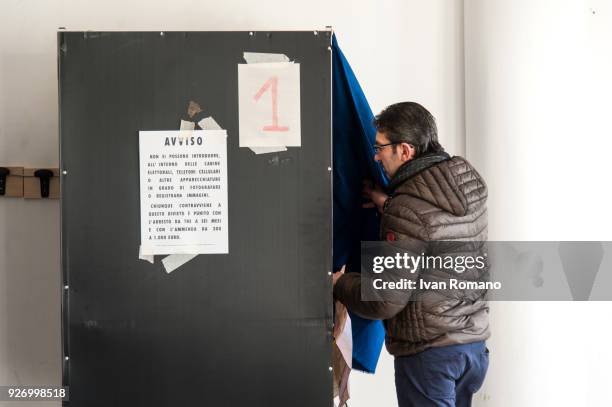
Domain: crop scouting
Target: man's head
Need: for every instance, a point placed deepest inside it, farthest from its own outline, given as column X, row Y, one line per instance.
column 404, row 131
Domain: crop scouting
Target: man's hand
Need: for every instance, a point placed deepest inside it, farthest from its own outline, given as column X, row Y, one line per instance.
column 336, row 276
column 375, row 194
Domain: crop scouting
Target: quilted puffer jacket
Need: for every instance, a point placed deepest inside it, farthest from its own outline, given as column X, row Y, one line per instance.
column 435, row 200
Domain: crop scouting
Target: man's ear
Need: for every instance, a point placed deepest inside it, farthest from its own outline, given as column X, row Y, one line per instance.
column 407, row 151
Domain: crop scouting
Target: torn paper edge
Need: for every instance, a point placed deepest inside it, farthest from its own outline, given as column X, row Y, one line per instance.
column 146, row 257
column 174, row 261
column 186, row 129
column 209, row 123
column 259, row 58
column 264, row 150
column 263, row 57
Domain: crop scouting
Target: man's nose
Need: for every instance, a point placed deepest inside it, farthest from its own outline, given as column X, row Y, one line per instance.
column 376, row 157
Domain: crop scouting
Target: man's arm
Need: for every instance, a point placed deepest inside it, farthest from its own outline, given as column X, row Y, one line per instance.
column 375, row 194
column 347, row 290
column 411, row 233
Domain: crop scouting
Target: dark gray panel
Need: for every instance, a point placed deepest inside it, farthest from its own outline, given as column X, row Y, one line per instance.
column 248, row 328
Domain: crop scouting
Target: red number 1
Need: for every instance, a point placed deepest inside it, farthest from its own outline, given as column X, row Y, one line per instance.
column 274, row 82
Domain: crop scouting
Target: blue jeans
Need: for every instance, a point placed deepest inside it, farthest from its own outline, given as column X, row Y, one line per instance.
column 441, row 377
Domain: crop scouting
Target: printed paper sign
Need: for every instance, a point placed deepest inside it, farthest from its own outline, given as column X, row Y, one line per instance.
column 183, row 192
column 269, row 104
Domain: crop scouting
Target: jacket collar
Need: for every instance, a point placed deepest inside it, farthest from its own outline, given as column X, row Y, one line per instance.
column 413, row 167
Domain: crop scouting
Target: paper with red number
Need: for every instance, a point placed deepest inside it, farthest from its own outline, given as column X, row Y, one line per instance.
column 269, row 104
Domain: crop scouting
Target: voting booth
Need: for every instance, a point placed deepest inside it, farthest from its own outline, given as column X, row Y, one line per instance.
column 196, row 198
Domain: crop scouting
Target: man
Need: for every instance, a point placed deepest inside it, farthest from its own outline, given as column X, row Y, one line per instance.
column 437, row 337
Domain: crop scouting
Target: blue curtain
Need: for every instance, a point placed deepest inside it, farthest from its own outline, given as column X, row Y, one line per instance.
column 353, row 140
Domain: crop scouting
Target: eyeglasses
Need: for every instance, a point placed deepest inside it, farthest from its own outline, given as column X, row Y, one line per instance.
column 379, row 147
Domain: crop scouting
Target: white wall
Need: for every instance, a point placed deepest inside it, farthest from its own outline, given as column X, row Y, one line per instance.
column 538, row 90
column 400, row 50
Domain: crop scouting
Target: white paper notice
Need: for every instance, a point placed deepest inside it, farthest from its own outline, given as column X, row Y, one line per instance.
column 183, row 192
column 269, row 104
